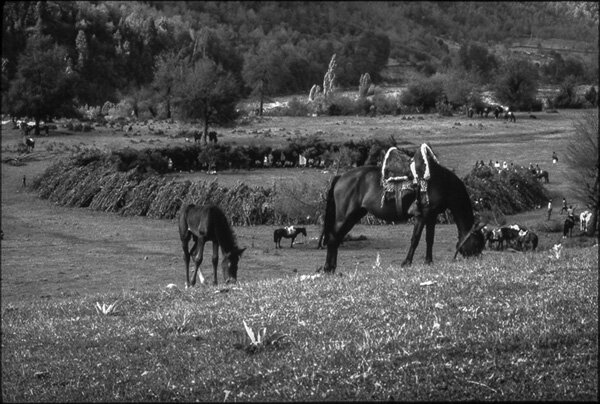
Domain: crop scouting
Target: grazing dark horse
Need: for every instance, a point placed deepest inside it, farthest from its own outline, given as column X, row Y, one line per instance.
column 568, row 227
column 360, row 191
column 208, row 223
column 284, row 233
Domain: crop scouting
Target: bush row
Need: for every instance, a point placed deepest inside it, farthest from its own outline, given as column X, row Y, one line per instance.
column 91, row 179
column 317, row 152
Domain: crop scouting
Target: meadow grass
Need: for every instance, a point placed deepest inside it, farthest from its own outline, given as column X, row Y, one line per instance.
column 503, row 327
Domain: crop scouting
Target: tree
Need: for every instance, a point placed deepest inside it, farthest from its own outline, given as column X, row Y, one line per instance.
column 44, row 85
column 168, row 71
column 265, row 72
column 582, row 156
column 207, row 92
column 476, row 58
column 517, row 84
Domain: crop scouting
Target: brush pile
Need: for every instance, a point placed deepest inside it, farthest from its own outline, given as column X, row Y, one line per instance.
column 96, row 181
column 506, row 191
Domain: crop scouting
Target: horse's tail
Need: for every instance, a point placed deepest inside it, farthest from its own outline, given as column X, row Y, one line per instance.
column 329, row 221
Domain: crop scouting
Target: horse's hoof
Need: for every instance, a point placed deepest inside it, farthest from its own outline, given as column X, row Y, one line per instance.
column 406, row 263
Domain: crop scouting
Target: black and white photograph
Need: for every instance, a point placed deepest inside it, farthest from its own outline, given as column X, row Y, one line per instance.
column 286, row 201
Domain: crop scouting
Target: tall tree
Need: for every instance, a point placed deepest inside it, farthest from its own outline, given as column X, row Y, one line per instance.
column 207, row 92
column 44, row 84
column 168, row 71
column 265, row 72
column 582, row 156
column 517, row 84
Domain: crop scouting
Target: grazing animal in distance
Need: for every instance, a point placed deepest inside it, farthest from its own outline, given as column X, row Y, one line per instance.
column 361, row 190
column 292, row 233
column 212, row 136
column 208, row 223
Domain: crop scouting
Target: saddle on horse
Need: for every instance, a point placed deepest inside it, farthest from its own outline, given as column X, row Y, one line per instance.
column 396, row 177
column 401, row 175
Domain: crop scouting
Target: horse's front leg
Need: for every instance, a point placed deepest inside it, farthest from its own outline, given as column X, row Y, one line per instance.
column 186, row 258
column 429, row 236
column 198, row 261
column 292, row 243
column 215, row 261
column 414, row 241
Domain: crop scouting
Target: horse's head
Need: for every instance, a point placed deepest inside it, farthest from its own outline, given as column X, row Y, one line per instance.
column 302, row 231
column 472, row 243
column 230, row 264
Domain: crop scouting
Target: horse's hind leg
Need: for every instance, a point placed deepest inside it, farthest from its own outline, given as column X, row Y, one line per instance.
column 292, row 243
column 414, row 241
column 185, row 239
column 215, row 260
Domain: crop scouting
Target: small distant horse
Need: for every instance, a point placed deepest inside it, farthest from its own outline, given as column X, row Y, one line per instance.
column 360, row 191
column 542, row 174
column 510, row 116
column 278, row 234
column 527, row 240
column 30, row 143
column 212, row 136
column 197, row 136
column 510, row 236
column 493, row 237
column 208, row 223
column 568, row 227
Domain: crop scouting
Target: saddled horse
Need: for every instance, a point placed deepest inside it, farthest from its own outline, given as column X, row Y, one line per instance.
column 208, row 223
column 527, row 240
column 361, row 191
column 278, row 234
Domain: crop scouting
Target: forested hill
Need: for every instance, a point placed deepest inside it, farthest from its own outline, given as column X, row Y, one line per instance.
column 115, row 49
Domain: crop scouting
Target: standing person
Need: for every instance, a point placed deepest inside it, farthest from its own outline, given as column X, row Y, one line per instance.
column 554, row 158
column 571, row 213
column 564, row 206
column 549, row 209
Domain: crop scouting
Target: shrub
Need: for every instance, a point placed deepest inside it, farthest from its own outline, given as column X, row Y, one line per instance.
column 296, row 107
column 423, row 94
column 386, row 105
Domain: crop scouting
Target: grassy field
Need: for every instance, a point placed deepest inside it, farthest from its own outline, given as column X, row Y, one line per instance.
column 504, row 327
